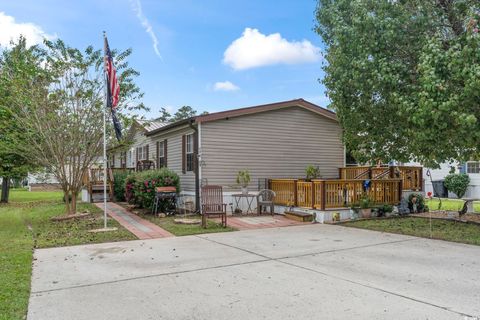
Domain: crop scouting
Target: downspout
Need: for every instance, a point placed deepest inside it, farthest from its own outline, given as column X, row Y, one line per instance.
column 197, row 165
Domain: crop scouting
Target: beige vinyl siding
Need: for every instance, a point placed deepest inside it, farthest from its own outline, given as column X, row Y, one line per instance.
column 174, row 154
column 272, row 144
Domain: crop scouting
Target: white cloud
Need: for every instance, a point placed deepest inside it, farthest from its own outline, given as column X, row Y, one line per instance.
column 254, row 49
column 137, row 8
column 11, row 30
column 225, row 86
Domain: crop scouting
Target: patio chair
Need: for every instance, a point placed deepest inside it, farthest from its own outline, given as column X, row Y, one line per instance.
column 212, row 204
column 265, row 198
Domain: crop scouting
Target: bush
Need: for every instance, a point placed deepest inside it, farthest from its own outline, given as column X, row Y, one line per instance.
column 312, row 172
column 420, row 202
column 140, row 186
column 457, row 183
column 119, row 179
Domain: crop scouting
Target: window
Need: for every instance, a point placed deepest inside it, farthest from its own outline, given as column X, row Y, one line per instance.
column 473, row 167
column 189, row 152
column 162, row 159
column 142, row 153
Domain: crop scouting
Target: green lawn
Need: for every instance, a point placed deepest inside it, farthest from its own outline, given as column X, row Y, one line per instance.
column 450, row 204
column 26, row 226
column 23, row 195
column 420, row 227
column 185, row 229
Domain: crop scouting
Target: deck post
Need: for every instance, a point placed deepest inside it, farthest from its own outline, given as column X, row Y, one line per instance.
column 295, row 193
column 400, row 190
column 420, row 180
column 324, row 195
column 313, row 194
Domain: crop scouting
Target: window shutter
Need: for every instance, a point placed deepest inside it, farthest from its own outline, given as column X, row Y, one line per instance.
column 113, row 160
column 184, row 154
column 165, row 152
column 158, row 155
column 195, row 156
column 136, row 155
column 148, row 155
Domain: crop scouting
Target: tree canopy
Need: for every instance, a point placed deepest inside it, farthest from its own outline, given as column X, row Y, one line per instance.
column 404, row 77
column 59, row 105
column 15, row 72
column 184, row 112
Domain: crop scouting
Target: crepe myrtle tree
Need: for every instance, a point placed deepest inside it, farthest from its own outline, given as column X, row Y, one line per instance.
column 403, row 77
column 60, row 107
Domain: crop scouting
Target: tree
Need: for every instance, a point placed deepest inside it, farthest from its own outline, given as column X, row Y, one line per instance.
column 62, row 115
column 457, row 183
column 184, row 112
column 403, row 77
column 13, row 164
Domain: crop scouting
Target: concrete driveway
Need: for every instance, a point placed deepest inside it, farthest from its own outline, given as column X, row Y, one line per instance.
column 301, row 272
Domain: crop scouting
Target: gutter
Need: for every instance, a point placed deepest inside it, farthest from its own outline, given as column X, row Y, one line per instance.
column 197, row 164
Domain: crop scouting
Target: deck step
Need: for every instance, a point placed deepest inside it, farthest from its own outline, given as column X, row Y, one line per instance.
column 299, row 216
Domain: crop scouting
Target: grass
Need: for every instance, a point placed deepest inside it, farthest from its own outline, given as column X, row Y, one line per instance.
column 168, row 224
column 450, row 204
column 420, row 227
column 24, row 225
column 23, row 195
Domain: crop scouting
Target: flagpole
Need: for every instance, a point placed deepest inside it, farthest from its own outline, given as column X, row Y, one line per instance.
column 105, row 146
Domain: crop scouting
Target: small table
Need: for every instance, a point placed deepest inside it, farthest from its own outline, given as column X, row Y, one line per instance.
column 249, row 198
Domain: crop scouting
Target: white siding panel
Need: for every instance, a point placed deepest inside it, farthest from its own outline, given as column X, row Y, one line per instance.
column 273, row 144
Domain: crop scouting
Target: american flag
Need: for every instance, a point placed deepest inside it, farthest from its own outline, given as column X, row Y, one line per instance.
column 113, row 89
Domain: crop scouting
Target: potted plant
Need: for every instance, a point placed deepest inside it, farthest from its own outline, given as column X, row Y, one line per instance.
column 365, row 209
column 312, row 172
column 243, row 179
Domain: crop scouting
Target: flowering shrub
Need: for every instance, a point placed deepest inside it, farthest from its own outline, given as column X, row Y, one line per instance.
column 140, row 186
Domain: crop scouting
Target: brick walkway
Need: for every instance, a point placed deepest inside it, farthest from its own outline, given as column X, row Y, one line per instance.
column 260, row 222
column 141, row 228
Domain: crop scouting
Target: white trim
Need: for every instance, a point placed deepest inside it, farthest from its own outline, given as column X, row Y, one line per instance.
column 199, row 144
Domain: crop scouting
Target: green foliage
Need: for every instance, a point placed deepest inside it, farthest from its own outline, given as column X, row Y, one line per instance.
column 243, row 178
column 16, row 71
column 365, row 202
column 420, row 202
column 140, row 186
column 387, row 208
column 457, row 183
column 184, row 112
column 119, row 178
column 312, row 172
column 403, row 77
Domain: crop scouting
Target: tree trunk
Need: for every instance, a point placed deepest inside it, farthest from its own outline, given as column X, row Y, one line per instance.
column 73, row 203
column 5, row 190
column 67, row 201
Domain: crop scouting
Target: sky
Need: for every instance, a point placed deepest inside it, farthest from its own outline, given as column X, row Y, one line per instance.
column 212, row 55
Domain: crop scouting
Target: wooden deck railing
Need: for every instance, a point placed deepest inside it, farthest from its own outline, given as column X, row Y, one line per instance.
column 328, row 194
column 411, row 176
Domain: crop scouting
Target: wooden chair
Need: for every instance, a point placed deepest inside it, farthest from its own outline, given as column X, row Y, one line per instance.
column 265, row 198
column 212, row 204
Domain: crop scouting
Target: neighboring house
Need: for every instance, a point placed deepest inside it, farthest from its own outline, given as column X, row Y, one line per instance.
column 472, row 168
column 275, row 140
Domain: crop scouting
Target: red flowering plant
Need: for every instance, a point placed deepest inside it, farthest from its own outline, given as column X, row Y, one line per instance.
column 142, row 185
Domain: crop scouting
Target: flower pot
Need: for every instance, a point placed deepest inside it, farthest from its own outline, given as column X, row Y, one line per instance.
column 366, row 213
column 244, row 190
